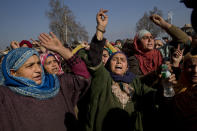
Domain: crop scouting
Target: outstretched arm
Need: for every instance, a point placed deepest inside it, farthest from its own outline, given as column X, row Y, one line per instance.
column 158, row 20
column 98, row 42
column 51, row 42
column 177, row 34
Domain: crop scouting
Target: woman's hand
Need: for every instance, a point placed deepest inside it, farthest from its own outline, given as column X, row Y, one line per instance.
column 158, row 20
column 102, row 20
column 14, row 44
column 172, row 79
column 51, row 42
column 177, row 56
column 38, row 46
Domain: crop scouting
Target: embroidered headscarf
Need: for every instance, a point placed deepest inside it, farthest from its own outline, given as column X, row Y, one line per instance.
column 44, row 56
column 126, row 78
column 108, row 50
column 23, row 86
column 148, row 61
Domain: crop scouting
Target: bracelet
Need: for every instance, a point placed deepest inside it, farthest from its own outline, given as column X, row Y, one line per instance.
column 100, row 28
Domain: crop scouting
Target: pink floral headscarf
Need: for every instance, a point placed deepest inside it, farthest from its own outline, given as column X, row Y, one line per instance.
column 44, row 56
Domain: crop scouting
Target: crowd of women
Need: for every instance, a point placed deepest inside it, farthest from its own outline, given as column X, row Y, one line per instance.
column 100, row 86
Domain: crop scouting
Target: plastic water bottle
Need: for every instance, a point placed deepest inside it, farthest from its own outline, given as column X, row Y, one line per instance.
column 168, row 87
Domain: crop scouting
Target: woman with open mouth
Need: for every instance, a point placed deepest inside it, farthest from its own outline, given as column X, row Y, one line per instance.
column 31, row 100
column 51, row 63
column 116, row 96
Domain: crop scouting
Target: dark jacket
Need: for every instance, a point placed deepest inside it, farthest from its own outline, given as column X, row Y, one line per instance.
column 22, row 113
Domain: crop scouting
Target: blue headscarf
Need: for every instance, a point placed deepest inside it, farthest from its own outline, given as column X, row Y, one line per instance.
column 126, row 78
column 14, row 60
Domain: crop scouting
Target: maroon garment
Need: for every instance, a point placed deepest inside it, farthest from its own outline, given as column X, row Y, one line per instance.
column 29, row 44
column 22, row 113
column 148, row 61
column 185, row 110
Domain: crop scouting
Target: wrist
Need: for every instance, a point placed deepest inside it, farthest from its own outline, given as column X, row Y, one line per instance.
column 65, row 53
column 166, row 25
column 99, row 35
column 175, row 64
column 100, row 28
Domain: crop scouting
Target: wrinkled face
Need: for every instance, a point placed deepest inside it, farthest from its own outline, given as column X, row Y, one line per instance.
column 105, row 56
column 190, row 69
column 158, row 44
column 51, row 65
column 147, row 42
column 118, row 64
column 31, row 69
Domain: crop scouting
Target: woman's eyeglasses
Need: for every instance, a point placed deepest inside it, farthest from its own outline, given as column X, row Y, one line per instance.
column 148, row 37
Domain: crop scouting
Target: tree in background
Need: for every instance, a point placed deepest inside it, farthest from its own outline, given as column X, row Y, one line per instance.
column 63, row 24
column 146, row 23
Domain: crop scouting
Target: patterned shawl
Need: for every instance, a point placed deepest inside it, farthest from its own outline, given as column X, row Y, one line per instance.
column 23, row 86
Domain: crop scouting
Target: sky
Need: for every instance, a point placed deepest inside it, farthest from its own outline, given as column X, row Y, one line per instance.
column 25, row 19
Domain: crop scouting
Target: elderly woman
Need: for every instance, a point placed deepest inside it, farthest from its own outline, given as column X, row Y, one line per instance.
column 146, row 58
column 31, row 100
column 116, row 96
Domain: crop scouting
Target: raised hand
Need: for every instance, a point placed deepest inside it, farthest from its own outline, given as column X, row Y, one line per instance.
column 177, row 56
column 85, row 45
column 158, row 20
column 102, row 18
column 51, row 42
column 14, row 44
column 38, row 45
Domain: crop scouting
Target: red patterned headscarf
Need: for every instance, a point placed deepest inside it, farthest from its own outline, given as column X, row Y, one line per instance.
column 44, row 56
column 148, row 61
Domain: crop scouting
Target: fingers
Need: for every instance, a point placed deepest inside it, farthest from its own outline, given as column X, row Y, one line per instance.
column 102, row 13
column 172, row 79
column 155, row 17
column 44, row 37
column 178, row 47
column 178, row 52
column 53, row 35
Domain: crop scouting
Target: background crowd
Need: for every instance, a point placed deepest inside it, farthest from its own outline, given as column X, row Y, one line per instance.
column 143, row 83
